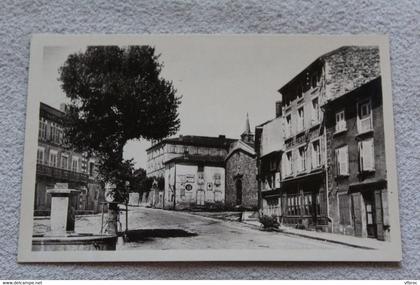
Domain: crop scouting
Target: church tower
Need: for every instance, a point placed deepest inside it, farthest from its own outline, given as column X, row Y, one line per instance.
column 247, row 136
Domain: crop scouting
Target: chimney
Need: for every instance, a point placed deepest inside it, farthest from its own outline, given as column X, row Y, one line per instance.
column 222, row 136
column 278, row 109
column 63, row 107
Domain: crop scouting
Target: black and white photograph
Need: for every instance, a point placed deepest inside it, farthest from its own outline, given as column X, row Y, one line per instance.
column 209, row 148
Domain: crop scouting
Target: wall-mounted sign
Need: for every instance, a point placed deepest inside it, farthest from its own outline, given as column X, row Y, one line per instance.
column 182, row 178
column 209, row 186
column 190, row 178
column 188, row 187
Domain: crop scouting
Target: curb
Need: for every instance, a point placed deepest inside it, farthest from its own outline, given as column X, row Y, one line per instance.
column 327, row 240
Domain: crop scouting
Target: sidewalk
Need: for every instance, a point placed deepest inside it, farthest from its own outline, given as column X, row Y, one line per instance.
column 357, row 242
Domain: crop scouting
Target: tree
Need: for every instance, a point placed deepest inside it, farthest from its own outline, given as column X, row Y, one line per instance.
column 117, row 94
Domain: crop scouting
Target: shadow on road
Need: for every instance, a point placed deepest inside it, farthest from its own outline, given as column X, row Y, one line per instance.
column 149, row 234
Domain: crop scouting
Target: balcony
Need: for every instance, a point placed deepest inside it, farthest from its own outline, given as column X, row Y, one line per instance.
column 364, row 125
column 60, row 174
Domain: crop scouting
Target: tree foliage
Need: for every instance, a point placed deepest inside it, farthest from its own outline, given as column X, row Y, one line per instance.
column 117, row 94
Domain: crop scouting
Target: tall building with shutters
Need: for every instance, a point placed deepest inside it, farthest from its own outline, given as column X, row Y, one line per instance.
column 357, row 168
column 57, row 163
column 321, row 161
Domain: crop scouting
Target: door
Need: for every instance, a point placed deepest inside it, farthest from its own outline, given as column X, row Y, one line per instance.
column 370, row 215
column 357, row 214
column 238, row 192
column 200, row 197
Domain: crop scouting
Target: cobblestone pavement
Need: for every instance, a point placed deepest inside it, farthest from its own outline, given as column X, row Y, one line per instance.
column 211, row 233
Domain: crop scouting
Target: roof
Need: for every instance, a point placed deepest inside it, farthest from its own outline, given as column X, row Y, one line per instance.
column 320, row 61
column 217, row 142
column 240, row 145
column 51, row 113
column 198, row 159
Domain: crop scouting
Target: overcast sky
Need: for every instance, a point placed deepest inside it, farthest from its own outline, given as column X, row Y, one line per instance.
column 221, row 79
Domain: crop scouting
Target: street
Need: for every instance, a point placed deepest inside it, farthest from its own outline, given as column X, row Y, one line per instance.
column 205, row 233
column 211, row 233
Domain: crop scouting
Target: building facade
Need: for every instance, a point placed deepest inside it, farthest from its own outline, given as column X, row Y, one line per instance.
column 195, row 182
column 241, row 173
column 57, row 163
column 269, row 147
column 187, row 153
column 303, row 185
column 357, row 166
column 296, row 174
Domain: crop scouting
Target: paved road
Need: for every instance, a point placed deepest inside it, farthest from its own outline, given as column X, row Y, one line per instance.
column 211, row 233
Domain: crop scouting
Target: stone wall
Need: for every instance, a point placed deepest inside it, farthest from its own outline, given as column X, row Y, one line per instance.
column 241, row 165
column 349, row 68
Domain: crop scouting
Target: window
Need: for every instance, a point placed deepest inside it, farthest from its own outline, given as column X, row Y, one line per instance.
column 288, row 164
column 342, row 161
column 315, row 154
column 315, row 111
column 53, row 158
column 307, row 203
column 64, row 161
column 52, row 132
column 75, row 164
column 40, row 155
column 301, row 119
column 364, row 117
column 366, row 155
column 293, row 205
column 340, row 122
column 301, row 159
column 42, row 129
column 344, row 209
column 288, row 125
column 273, row 164
column 91, row 168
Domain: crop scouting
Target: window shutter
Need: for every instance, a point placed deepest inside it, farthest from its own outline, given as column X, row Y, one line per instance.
column 371, row 154
column 337, row 161
column 368, row 155
column 313, row 156
column 360, row 145
column 346, row 160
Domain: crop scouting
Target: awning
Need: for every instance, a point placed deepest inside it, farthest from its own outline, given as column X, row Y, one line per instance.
column 298, row 178
column 368, row 185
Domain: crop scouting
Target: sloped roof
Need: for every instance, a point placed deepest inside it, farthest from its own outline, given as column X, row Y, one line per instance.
column 198, row 159
column 240, row 145
column 218, row 142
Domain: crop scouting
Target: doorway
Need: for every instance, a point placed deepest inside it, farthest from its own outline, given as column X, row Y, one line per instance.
column 371, row 226
column 238, row 192
column 200, row 197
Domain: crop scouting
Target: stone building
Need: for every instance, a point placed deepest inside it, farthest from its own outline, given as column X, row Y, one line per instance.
column 303, row 187
column 357, row 168
column 57, row 163
column 194, row 155
column 295, row 175
column 241, row 172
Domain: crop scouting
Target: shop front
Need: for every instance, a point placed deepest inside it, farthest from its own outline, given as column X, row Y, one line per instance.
column 304, row 202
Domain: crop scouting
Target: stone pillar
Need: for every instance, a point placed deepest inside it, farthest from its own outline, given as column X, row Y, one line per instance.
column 63, row 210
column 112, row 219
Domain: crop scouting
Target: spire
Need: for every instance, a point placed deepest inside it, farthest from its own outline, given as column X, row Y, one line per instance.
column 247, row 136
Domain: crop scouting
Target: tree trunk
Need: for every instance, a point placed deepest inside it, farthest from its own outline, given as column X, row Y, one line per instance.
column 112, row 219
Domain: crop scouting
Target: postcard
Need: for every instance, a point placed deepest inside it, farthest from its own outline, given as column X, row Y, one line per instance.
column 209, row 148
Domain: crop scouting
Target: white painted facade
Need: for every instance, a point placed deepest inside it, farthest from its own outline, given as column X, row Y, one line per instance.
column 194, row 187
